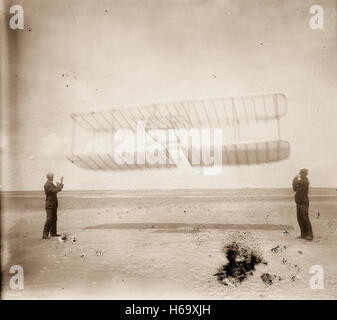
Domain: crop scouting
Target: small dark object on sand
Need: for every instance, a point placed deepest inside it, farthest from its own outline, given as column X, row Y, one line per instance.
column 294, row 277
column 275, row 249
column 269, row 278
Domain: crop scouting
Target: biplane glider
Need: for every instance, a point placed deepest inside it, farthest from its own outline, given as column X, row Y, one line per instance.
column 243, row 130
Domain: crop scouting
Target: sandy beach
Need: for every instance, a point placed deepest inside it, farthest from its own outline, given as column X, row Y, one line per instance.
column 166, row 244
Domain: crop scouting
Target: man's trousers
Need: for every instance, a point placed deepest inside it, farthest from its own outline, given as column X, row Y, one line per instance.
column 303, row 220
column 50, row 224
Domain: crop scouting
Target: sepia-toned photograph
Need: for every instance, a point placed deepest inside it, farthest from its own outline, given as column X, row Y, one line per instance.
column 168, row 149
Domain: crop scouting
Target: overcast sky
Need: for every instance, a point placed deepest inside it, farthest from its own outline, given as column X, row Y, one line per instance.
column 80, row 55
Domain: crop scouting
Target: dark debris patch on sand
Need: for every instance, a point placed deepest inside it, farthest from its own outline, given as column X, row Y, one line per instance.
column 269, row 279
column 242, row 260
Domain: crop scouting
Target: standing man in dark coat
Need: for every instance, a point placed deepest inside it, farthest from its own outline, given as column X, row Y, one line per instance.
column 301, row 188
column 51, row 205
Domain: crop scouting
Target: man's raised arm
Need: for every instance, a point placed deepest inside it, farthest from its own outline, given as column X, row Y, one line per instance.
column 60, row 185
column 51, row 188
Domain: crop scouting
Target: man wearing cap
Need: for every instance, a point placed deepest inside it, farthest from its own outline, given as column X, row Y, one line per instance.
column 51, row 206
column 301, row 188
